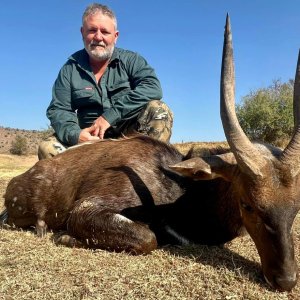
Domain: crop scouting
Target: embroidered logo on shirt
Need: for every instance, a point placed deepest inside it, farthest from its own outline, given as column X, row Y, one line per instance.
column 88, row 88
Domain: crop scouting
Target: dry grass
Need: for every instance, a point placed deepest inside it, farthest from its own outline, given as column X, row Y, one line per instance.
column 33, row 268
column 198, row 148
column 12, row 165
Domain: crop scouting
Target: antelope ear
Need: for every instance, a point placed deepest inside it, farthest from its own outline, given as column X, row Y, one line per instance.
column 207, row 168
column 195, row 168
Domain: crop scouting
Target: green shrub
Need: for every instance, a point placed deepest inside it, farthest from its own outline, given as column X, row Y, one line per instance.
column 19, row 146
column 267, row 113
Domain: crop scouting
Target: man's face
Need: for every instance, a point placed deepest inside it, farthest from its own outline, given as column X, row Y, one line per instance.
column 99, row 36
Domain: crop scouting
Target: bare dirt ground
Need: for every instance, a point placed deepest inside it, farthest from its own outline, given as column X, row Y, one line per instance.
column 34, row 268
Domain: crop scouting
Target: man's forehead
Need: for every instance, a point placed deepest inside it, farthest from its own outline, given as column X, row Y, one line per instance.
column 98, row 18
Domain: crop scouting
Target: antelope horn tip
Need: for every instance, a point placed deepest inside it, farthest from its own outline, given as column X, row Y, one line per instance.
column 227, row 26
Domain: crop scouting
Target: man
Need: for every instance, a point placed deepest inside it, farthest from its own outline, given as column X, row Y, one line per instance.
column 103, row 91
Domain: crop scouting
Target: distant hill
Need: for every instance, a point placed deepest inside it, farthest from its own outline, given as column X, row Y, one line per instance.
column 8, row 135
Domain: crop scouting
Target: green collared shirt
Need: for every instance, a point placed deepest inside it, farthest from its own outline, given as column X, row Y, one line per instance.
column 77, row 99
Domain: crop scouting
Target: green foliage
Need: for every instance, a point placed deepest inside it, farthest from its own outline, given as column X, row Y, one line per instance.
column 19, row 146
column 267, row 113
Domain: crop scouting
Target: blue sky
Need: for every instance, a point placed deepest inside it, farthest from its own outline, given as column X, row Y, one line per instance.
column 182, row 40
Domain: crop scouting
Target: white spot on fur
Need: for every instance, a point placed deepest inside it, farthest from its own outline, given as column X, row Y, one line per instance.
column 85, row 204
column 293, row 277
column 177, row 236
column 20, row 208
column 121, row 219
column 15, row 199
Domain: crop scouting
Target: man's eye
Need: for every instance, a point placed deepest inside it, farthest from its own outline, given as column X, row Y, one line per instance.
column 248, row 208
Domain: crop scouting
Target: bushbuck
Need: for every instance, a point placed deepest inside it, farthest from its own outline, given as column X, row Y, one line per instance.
column 133, row 194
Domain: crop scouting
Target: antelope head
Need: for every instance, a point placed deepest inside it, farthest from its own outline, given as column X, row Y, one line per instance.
column 265, row 180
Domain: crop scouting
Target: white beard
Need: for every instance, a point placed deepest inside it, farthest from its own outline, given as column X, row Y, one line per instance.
column 102, row 54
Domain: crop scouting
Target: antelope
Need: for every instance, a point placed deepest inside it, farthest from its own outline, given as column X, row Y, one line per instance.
column 136, row 193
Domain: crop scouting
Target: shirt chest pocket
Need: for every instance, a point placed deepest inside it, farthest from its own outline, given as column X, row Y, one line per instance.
column 114, row 92
column 83, row 97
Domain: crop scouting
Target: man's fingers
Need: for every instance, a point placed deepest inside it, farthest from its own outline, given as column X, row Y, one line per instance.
column 97, row 131
column 94, row 138
column 101, row 133
column 93, row 130
column 99, row 127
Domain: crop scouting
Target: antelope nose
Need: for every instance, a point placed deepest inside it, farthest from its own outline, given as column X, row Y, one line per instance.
column 286, row 283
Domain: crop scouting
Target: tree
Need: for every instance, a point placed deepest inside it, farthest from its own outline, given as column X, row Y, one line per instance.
column 267, row 113
column 19, row 146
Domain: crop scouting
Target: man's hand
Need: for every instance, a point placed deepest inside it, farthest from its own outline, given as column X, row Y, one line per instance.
column 100, row 126
column 86, row 134
column 95, row 132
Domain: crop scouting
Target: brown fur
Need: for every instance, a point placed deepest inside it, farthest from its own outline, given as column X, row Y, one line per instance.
column 81, row 191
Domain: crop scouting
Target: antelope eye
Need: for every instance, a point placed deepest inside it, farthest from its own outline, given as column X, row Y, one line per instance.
column 248, row 208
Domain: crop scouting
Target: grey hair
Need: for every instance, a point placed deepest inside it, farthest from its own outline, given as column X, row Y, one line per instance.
column 99, row 8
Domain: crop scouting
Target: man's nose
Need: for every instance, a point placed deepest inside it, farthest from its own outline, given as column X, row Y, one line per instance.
column 98, row 35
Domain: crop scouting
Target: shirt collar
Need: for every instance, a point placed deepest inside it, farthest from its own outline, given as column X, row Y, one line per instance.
column 82, row 58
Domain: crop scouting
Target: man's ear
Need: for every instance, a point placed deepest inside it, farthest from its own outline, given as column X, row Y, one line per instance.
column 207, row 168
column 116, row 36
